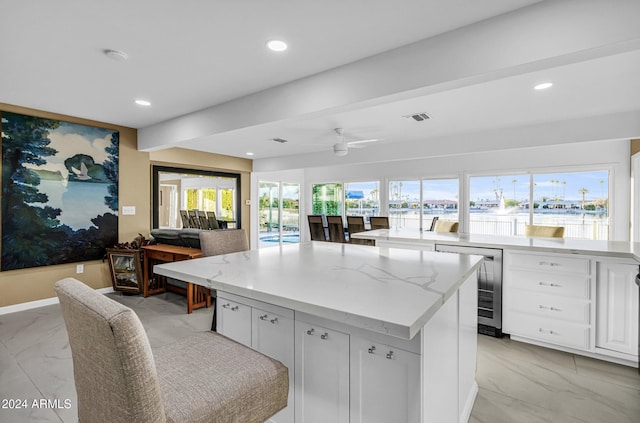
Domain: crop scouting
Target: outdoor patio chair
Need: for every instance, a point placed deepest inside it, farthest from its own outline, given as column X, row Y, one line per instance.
column 445, row 226
column 544, row 231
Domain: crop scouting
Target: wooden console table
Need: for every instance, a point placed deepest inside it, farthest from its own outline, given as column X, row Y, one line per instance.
column 197, row 296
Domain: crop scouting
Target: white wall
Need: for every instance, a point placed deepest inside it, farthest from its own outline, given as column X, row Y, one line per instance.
column 613, row 155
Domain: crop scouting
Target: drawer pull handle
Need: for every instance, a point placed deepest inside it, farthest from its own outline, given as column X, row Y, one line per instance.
column 324, row 336
column 548, row 263
column 550, row 284
column 311, row 331
column 390, row 355
column 264, row 317
column 372, row 350
column 227, row 305
column 549, row 331
column 235, row 308
column 274, row 320
column 551, row 308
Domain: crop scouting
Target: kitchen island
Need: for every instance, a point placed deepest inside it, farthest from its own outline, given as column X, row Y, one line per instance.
column 368, row 334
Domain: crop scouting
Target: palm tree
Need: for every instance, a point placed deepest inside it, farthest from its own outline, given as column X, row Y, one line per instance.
column 583, row 191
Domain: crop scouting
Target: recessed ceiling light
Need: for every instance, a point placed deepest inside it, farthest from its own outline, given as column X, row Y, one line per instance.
column 543, row 86
column 143, row 103
column 277, row 45
column 249, row 153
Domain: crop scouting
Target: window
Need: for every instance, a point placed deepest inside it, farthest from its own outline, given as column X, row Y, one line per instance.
column 503, row 205
column 362, row 198
column 404, row 204
column 327, row 199
column 579, row 201
column 439, row 200
column 498, row 205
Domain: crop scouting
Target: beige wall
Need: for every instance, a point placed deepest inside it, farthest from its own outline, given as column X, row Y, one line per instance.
column 635, row 146
column 19, row 286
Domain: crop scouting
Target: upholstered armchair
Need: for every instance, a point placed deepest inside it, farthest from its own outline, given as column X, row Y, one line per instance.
column 202, row 378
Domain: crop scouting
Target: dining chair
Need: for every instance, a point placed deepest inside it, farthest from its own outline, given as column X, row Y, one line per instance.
column 184, row 216
column 316, row 227
column 193, row 219
column 544, row 231
column 445, row 226
column 355, row 224
column 433, row 223
column 336, row 229
column 213, row 220
column 379, row 222
column 202, row 377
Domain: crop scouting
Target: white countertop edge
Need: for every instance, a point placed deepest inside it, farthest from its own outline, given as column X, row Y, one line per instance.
column 501, row 242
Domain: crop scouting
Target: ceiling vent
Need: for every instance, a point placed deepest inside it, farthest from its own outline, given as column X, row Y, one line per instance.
column 280, row 140
column 418, row 117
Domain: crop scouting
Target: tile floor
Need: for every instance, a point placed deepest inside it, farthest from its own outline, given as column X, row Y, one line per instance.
column 519, row 383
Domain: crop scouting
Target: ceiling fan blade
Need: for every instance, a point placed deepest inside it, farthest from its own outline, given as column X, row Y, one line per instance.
column 363, row 141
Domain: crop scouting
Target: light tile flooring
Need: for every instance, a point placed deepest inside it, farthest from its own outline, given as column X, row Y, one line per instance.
column 519, row 383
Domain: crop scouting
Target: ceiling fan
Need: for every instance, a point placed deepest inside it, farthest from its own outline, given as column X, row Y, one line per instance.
column 341, row 148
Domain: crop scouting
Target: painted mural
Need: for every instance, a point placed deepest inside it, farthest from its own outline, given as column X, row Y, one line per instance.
column 59, row 191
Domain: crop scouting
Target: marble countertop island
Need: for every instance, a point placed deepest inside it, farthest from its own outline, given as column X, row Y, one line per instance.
column 620, row 249
column 386, row 290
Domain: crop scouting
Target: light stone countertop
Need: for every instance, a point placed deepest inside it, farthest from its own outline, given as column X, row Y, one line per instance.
column 388, row 290
column 616, row 249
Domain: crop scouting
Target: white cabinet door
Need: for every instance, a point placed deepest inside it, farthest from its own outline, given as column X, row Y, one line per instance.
column 234, row 320
column 385, row 383
column 272, row 335
column 322, row 374
column 617, row 307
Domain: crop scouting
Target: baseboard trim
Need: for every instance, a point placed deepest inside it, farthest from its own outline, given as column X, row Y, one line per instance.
column 40, row 303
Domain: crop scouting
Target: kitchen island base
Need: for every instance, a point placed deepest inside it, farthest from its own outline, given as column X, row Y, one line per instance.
column 342, row 373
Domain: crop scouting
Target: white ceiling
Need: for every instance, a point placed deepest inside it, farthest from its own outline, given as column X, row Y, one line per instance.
column 186, row 56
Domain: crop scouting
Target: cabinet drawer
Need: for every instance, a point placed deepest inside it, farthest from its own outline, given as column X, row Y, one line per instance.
column 575, row 286
column 162, row 256
column 549, row 330
column 551, row 263
column 550, row 306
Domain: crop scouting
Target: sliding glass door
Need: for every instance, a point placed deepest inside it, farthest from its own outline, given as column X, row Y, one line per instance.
column 279, row 213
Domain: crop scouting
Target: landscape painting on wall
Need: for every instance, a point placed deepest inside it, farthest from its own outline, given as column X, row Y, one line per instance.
column 59, row 191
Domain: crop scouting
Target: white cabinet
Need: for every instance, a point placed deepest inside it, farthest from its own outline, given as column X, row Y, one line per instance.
column 234, row 320
column 265, row 328
column 272, row 334
column 321, row 374
column 548, row 298
column 385, row 383
column 617, row 307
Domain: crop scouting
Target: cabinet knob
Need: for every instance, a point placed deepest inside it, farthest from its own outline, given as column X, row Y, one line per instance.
column 263, row 317
column 227, row 305
column 235, row 308
column 324, row 336
column 274, row 320
column 311, row 331
column 372, row 350
column 390, row 355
